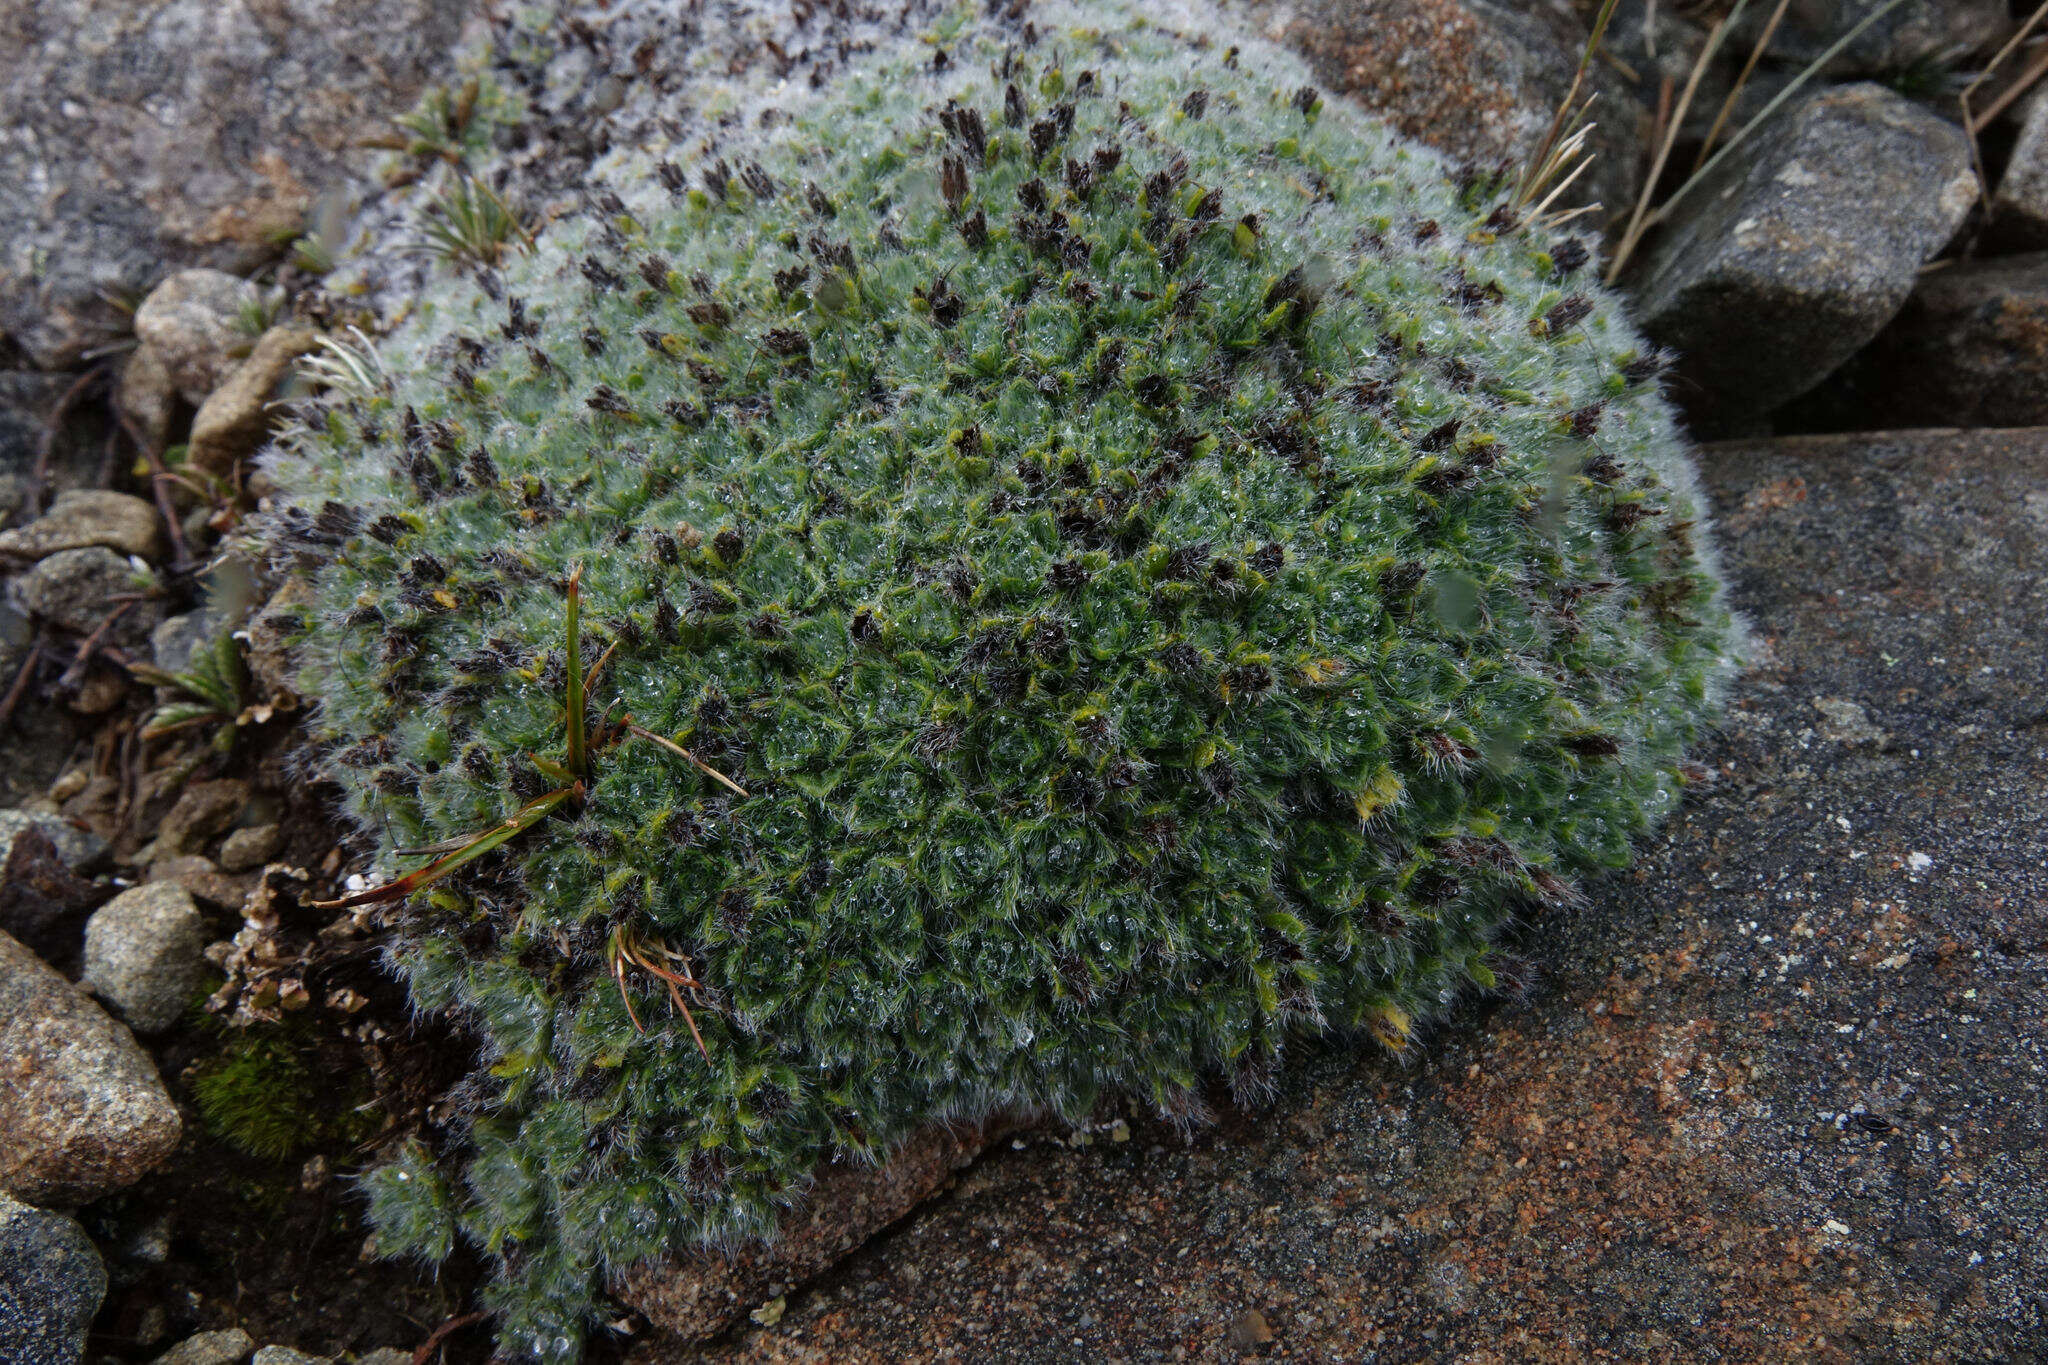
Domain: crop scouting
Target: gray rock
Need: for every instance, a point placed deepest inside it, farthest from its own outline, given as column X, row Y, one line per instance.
column 285, row 1355
column 81, row 849
column 1661, row 43
column 148, row 1243
column 238, row 415
column 25, row 400
column 230, row 1346
column 43, row 902
column 177, row 640
column 1800, row 247
column 88, row 516
column 51, row 1284
column 1969, row 349
column 15, row 635
column 145, row 954
column 245, row 850
column 202, row 810
column 190, row 323
column 138, row 133
column 2019, row 211
column 74, row 590
column 204, row 879
column 385, row 1355
column 695, row 1294
column 83, row 1112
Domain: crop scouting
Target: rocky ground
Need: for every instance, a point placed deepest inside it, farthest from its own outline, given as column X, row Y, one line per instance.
column 1776, row 1094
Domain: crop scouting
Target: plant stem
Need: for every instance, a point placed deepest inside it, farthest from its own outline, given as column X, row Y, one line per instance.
column 577, row 762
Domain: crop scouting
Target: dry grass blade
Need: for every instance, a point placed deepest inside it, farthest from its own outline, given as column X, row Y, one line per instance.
column 676, row 748
column 1756, row 54
column 1692, row 182
column 525, row 818
column 1565, row 138
column 1975, row 122
column 350, row 368
column 1572, row 147
column 1640, row 221
column 577, row 761
column 627, row 949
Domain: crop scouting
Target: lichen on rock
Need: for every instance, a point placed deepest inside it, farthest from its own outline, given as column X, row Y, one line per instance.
column 1172, row 571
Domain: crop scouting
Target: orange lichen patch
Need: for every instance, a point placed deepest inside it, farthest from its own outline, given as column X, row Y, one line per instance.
column 279, row 207
column 1412, row 65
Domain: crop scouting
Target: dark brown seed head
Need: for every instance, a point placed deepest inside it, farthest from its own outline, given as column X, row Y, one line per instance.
column 1440, row 437
column 953, row 182
column 1568, row 314
column 1044, row 133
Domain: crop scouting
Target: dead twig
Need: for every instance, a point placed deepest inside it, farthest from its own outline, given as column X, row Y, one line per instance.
column 46, row 444
column 75, row 674
column 1640, row 221
column 181, row 553
column 14, row 693
column 110, row 454
column 128, row 774
column 442, row 1333
column 2026, row 81
column 1974, row 122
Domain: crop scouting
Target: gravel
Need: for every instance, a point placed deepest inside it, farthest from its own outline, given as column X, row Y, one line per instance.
column 77, row 590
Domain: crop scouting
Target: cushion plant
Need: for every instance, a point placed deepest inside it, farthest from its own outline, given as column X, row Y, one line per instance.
column 1044, row 573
